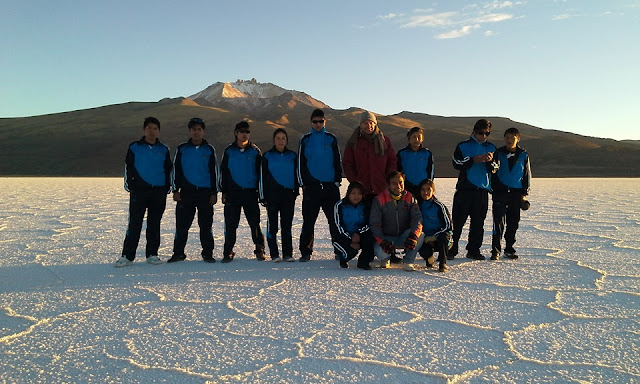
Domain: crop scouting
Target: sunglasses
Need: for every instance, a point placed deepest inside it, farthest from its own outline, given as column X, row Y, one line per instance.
column 317, row 121
column 483, row 133
column 243, row 131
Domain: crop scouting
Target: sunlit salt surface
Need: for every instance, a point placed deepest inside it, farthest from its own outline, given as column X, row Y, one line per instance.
column 566, row 312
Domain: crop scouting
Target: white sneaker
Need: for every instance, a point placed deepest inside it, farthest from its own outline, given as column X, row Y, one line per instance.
column 408, row 267
column 384, row 264
column 122, row 262
column 155, row 260
column 276, row 259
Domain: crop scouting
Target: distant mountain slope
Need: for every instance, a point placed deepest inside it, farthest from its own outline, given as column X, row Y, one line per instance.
column 93, row 142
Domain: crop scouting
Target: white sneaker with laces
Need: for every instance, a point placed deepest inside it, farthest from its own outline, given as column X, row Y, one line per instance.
column 155, row 260
column 122, row 262
column 408, row 267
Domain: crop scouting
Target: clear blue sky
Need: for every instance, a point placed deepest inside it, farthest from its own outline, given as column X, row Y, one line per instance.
column 569, row 65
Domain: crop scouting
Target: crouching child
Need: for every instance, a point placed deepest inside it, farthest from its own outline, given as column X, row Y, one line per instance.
column 396, row 223
column 436, row 226
column 351, row 221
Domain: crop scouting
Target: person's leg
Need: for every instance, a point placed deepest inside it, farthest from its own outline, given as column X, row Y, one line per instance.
column 330, row 196
column 185, row 211
column 513, row 222
column 272, row 229
column 459, row 215
column 310, row 210
column 205, row 223
column 231, row 220
column 476, row 225
column 366, row 249
column 137, row 207
column 410, row 254
column 498, row 211
column 252, row 213
column 287, row 210
column 156, row 206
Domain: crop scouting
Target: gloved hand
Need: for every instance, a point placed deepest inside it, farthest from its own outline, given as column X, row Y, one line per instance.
column 524, row 204
column 411, row 242
column 387, row 247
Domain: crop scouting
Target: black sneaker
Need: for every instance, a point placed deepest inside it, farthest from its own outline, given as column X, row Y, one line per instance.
column 228, row 258
column 443, row 267
column 511, row 256
column 208, row 259
column 176, row 258
column 344, row 264
column 305, row 258
column 475, row 256
column 395, row 260
column 494, row 256
column 366, row 267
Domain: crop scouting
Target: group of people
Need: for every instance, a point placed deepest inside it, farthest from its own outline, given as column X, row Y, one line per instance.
column 389, row 210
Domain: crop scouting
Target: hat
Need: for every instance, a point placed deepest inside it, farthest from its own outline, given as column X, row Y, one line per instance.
column 368, row 116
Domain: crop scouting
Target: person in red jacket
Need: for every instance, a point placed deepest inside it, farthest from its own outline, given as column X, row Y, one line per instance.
column 369, row 156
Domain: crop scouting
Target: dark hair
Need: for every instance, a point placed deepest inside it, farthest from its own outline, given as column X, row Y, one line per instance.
column 512, row 131
column 428, row 182
column 482, row 124
column 393, row 174
column 354, row 185
column 280, row 130
column 196, row 121
column 242, row 125
column 151, row 120
column 414, row 130
column 317, row 113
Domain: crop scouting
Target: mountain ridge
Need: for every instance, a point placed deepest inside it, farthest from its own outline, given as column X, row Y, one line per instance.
column 93, row 142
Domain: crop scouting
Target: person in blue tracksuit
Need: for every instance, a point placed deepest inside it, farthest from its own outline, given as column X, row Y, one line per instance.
column 146, row 178
column 240, row 169
column 511, row 186
column 415, row 161
column 436, row 226
column 319, row 175
column 351, row 223
column 278, row 192
column 195, row 185
column 474, row 158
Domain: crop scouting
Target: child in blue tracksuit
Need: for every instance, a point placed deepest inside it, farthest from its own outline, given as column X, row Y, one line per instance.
column 415, row 161
column 278, row 192
column 436, row 226
column 195, row 185
column 240, row 170
column 510, row 188
column 146, row 178
column 351, row 218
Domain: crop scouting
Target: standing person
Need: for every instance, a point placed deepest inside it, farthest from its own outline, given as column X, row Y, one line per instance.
column 474, row 159
column 278, row 192
column 369, row 156
column 146, row 178
column 436, row 226
column 195, row 184
column 396, row 222
column 352, row 228
column 510, row 189
column 240, row 170
column 319, row 175
column 415, row 161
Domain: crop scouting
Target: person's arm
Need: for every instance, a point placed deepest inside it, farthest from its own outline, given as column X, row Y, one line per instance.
column 460, row 161
column 337, row 161
column 526, row 178
column 430, row 167
column 168, row 165
column 225, row 182
column 130, row 173
column 265, row 180
column 392, row 160
column 303, row 171
column 375, row 221
column 214, row 175
column 338, row 221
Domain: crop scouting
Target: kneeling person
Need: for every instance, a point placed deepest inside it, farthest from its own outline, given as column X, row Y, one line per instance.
column 396, row 222
column 436, row 225
column 352, row 228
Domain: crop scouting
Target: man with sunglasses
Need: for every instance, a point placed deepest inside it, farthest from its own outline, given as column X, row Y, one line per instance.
column 319, row 175
column 474, row 159
column 240, row 168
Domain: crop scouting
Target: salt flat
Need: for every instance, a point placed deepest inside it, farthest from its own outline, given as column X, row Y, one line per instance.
column 566, row 312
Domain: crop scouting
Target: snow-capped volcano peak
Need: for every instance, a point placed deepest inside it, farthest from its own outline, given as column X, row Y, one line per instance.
column 250, row 92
